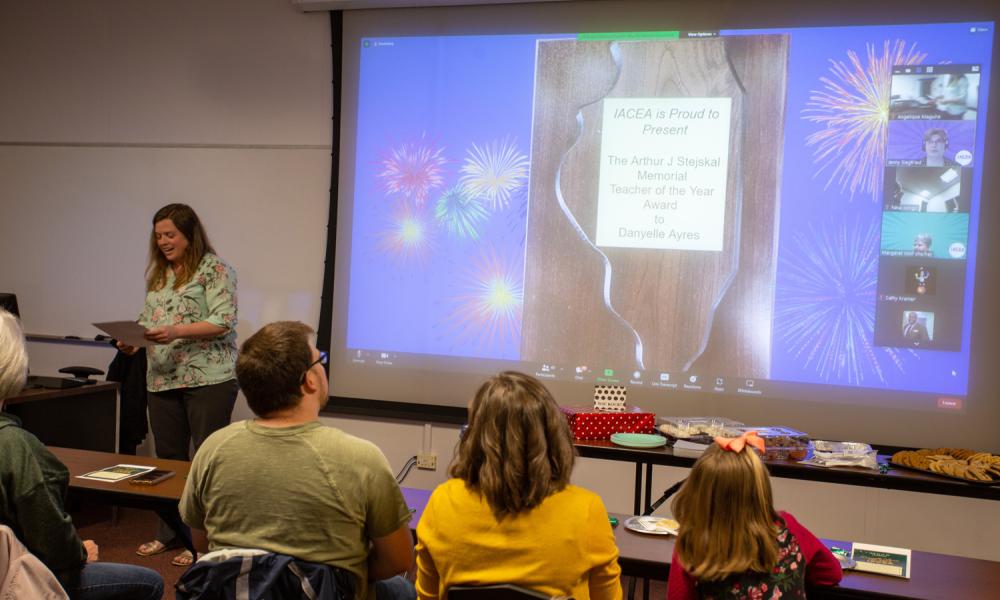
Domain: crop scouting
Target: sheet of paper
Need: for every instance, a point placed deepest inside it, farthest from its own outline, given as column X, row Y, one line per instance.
column 689, row 449
column 127, row 332
column 116, row 473
column 885, row 560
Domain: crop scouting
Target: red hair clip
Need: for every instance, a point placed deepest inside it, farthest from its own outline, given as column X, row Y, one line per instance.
column 737, row 444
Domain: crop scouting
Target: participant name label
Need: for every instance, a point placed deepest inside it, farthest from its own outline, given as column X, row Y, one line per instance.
column 664, row 165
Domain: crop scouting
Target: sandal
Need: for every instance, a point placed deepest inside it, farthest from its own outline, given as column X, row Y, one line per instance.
column 151, row 548
column 184, row 559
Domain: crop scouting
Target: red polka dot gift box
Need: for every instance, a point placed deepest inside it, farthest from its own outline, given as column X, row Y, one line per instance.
column 588, row 424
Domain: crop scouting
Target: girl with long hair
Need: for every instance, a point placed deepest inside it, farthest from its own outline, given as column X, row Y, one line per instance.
column 731, row 542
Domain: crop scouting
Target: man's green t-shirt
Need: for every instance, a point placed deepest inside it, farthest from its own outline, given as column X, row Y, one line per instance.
column 308, row 491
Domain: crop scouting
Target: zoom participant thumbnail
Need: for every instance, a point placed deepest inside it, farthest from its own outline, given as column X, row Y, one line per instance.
column 930, row 143
column 928, row 189
column 934, row 92
column 920, row 303
column 925, row 235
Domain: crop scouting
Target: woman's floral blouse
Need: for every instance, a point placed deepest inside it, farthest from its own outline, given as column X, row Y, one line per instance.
column 210, row 296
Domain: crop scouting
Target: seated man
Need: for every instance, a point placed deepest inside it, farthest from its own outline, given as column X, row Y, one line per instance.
column 285, row 483
column 32, row 486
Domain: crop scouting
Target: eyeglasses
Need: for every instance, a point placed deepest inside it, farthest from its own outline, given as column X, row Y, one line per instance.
column 324, row 359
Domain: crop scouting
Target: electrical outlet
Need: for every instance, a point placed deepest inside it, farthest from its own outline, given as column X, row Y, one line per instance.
column 427, row 461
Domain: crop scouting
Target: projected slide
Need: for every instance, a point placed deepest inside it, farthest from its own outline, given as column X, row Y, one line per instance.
column 721, row 211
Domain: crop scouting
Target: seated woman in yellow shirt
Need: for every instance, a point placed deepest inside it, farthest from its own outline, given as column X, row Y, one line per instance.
column 509, row 515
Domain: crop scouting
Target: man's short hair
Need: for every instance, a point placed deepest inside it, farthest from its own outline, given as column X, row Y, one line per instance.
column 271, row 365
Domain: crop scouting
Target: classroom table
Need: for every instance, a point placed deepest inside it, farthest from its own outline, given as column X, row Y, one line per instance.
column 162, row 497
column 894, row 479
column 641, row 555
column 932, row 575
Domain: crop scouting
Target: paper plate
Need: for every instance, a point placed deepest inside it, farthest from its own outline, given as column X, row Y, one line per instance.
column 652, row 525
column 638, row 440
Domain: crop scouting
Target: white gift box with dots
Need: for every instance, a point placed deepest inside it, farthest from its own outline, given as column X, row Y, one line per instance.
column 610, row 398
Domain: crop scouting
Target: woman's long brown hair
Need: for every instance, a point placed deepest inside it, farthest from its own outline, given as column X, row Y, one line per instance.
column 518, row 449
column 187, row 222
column 726, row 515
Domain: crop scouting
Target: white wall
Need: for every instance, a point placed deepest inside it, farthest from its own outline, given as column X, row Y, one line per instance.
column 112, row 108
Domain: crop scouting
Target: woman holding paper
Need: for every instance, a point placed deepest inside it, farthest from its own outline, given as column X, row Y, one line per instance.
column 190, row 316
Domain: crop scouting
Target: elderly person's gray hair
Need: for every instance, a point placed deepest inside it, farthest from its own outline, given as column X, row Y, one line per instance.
column 13, row 356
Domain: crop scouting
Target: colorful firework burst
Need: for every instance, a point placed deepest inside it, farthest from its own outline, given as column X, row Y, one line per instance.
column 412, row 170
column 408, row 236
column 489, row 304
column 853, row 108
column 826, row 314
column 494, row 172
column 460, row 213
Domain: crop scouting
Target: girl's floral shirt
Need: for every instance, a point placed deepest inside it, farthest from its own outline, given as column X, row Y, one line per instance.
column 787, row 580
column 210, row 296
column 802, row 560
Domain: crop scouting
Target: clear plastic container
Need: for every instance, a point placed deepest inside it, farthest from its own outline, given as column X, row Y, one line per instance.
column 686, row 428
column 781, row 442
column 843, row 454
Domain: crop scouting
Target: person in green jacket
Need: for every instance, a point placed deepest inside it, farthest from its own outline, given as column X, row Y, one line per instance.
column 32, row 488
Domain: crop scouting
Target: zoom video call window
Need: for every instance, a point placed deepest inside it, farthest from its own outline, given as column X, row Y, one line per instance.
column 735, row 211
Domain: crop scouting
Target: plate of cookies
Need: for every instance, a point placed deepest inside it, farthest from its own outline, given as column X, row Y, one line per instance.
column 955, row 463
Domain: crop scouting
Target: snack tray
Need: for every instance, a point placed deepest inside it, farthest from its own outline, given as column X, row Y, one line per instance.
column 672, row 426
column 896, row 465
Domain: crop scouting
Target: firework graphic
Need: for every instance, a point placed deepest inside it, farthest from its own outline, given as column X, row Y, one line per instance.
column 853, row 108
column 407, row 237
column 460, row 213
column 489, row 302
column 494, row 172
column 412, row 170
column 826, row 314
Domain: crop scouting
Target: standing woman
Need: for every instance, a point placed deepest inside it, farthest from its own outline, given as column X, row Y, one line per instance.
column 190, row 315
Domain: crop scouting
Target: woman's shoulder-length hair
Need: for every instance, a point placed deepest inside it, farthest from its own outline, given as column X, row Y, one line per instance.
column 518, row 449
column 188, row 223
